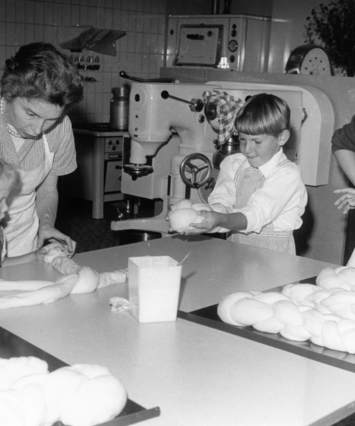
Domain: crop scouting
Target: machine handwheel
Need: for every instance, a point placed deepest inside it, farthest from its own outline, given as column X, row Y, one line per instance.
column 196, row 170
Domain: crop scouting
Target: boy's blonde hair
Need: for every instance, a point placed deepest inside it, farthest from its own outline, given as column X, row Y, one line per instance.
column 263, row 114
column 10, row 178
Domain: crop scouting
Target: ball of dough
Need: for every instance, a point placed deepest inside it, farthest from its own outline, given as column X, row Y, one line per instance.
column 181, row 219
column 87, row 281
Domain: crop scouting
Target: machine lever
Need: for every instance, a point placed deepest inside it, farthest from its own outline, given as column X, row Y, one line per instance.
column 196, row 105
column 123, row 74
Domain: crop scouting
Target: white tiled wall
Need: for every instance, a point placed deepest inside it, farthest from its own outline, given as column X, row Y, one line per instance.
column 139, row 52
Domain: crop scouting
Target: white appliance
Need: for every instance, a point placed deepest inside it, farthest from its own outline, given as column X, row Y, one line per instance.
column 236, row 42
column 167, row 122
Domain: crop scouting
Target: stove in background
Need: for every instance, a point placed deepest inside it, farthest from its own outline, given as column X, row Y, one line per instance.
column 100, row 159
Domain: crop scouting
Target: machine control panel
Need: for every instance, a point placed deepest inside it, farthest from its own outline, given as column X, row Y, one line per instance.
column 113, row 147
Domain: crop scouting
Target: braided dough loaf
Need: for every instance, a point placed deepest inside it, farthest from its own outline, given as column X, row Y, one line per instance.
column 77, row 280
column 79, row 395
column 322, row 313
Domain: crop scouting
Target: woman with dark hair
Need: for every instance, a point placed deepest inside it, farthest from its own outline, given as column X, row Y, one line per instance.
column 38, row 86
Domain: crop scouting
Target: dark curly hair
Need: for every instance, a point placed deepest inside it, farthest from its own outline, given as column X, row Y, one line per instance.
column 39, row 70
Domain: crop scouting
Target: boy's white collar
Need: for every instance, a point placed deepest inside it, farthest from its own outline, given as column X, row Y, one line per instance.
column 269, row 165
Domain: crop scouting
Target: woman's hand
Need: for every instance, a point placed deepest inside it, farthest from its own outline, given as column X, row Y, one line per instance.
column 346, row 201
column 46, row 231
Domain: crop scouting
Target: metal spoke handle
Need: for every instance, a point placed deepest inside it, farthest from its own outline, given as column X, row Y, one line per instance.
column 196, row 170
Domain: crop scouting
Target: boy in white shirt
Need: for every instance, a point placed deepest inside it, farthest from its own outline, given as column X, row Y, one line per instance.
column 259, row 195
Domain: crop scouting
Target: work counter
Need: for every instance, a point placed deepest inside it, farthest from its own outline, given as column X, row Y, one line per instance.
column 197, row 375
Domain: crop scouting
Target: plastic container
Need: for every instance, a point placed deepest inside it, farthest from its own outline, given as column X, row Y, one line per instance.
column 154, row 287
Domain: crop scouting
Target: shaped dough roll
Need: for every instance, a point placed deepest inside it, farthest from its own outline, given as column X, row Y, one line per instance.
column 328, row 278
column 250, row 311
column 270, row 325
column 331, row 337
column 288, row 313
column 295, row 332
column 270, row 297
column 224, row 307
column 299, row 293
column 347, row 275
column 96, row 401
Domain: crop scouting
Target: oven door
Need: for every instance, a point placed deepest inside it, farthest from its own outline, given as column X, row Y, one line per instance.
column 199, row 45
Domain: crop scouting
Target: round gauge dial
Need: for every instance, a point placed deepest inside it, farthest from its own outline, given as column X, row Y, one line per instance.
column 309, row 59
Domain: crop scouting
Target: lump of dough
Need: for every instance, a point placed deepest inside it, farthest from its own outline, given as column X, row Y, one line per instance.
column 183, row 213
column 181, row 219
column 87, row 281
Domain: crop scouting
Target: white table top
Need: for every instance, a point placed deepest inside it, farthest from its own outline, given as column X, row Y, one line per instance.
column 197, row 375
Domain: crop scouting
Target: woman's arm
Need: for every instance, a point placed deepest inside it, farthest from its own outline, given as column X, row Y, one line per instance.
column 47, row 205
column 17, row 260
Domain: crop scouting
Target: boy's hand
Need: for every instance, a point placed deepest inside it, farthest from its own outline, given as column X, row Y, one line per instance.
column 346, row 201
column 210, row 221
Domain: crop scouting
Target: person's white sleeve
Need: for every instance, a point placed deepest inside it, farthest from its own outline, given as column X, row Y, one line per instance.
column 222, row 198
column 280, row 201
